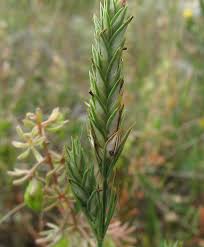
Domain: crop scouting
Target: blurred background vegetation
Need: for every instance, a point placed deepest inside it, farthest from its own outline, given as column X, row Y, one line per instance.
column 44, row 61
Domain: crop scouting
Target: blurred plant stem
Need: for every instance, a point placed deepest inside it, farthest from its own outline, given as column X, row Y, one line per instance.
column 12, row 212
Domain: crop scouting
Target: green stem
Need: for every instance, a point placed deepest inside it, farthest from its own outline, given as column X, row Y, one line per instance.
column 105, row 187
column 100, row 243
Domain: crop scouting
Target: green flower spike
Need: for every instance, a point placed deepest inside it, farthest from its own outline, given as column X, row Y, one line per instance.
column 97, row 197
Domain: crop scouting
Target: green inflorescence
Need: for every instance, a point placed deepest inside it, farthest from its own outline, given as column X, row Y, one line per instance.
column 95, row 190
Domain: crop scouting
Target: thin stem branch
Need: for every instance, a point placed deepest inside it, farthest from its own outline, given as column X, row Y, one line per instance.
column 105, row 187
column 12, row 212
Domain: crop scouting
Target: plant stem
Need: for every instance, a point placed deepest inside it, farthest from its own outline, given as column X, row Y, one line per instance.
column 12, row 212
column 105, row 187
column 100, row 243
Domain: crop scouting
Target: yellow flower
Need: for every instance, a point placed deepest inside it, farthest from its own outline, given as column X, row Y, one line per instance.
column 187, row 13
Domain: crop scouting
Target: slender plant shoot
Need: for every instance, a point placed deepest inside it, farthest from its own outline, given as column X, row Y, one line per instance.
column 93, row 186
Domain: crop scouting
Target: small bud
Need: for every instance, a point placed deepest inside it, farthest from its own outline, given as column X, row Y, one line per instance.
column 20, row 132
column 54, row 115
column 33, row 196
column 37, row 154
column 31, row 116
column 28, row 123
column 19, row 144
column 24, row 155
